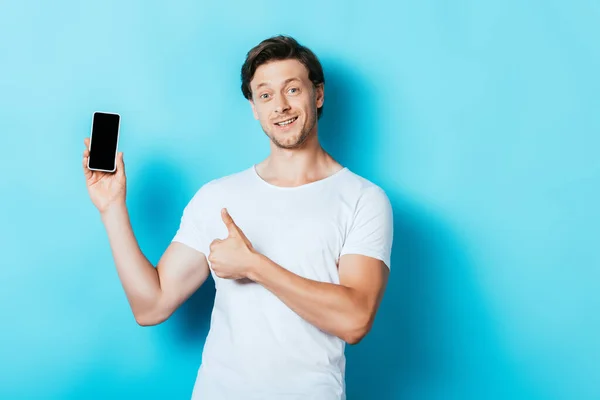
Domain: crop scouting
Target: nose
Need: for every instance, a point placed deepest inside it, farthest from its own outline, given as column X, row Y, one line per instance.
column 282, row 105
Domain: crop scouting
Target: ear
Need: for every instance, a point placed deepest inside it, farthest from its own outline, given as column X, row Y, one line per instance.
column 253, row 109
column 320, row 94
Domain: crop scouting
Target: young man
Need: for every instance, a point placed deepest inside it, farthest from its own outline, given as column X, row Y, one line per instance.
column 299, row 247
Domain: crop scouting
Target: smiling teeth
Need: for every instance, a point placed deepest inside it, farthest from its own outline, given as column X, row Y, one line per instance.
column 284, row 123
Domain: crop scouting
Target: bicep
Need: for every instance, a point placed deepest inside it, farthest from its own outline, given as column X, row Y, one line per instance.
column 367, row 276
column 181, row 270
column 366, row 254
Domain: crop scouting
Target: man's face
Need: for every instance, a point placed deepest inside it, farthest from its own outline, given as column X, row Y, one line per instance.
column 285, row 102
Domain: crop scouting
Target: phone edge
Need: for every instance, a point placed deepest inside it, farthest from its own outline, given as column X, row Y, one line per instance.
column 118, row 138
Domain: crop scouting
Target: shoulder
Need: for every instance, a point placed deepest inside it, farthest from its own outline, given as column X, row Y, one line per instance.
column 363, row 189
column 217, row 188
column 368, row 202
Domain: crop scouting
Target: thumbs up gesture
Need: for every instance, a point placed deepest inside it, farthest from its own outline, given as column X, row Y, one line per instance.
column 233, row 257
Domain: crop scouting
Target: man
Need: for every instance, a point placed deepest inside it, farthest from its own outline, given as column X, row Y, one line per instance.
column 299, row 247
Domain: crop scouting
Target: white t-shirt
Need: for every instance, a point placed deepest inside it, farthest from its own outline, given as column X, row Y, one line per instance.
column 257, row 347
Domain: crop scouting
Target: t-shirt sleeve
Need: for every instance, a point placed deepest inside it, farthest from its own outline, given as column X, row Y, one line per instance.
column 371, row 231
column 192, row 228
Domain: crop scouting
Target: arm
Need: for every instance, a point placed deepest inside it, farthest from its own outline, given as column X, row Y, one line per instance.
column 153, row 293
column 346, row 310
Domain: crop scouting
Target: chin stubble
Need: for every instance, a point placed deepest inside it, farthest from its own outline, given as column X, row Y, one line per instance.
column 301, row 139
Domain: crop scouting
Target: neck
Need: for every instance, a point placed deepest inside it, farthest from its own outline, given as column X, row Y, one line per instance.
column 295, row 167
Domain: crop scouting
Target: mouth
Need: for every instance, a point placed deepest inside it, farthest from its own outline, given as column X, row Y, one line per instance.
column 287, row 123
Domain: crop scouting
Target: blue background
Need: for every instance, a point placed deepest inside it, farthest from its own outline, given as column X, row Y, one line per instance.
column 479, row 119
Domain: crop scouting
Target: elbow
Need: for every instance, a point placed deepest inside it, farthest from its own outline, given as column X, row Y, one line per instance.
column 355, row 337
column 357, row 331
column 149, row 319
column 143, row 321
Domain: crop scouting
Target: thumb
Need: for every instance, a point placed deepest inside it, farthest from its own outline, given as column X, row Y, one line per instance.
column 231, row 226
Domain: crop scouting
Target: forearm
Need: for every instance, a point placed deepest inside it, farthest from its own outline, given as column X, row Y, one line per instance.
column 335, row 309
column 139, row 278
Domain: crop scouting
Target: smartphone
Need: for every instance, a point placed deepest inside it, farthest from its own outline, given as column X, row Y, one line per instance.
column 104, row 141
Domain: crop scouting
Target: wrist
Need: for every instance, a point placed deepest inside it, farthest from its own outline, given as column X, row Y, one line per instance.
column 113, row 210
column 256, row 265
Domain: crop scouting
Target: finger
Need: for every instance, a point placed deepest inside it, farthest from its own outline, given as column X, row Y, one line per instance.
column 86, row 171
column 213, row 244
column 231, row 226
column 86, row 155
column 120, row 163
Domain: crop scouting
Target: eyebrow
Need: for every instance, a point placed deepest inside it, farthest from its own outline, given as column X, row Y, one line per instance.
column 284, row 82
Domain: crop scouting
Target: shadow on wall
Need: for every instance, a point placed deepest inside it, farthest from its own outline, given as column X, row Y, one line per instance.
column 161, row 195
column 406, row 352
column 346, row 109
column 415, row 349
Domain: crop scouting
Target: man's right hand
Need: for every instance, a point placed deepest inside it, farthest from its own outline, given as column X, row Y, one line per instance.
column 105, row 189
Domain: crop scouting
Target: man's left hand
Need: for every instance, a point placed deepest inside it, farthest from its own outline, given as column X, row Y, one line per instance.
column 233, row 257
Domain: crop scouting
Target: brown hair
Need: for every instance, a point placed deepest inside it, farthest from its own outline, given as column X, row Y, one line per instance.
column 281, row 47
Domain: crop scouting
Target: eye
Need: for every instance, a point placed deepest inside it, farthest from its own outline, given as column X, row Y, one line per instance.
column 293, row 90
column 264, row 95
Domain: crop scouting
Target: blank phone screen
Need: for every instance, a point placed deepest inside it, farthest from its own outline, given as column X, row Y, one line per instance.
column 103, row 146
